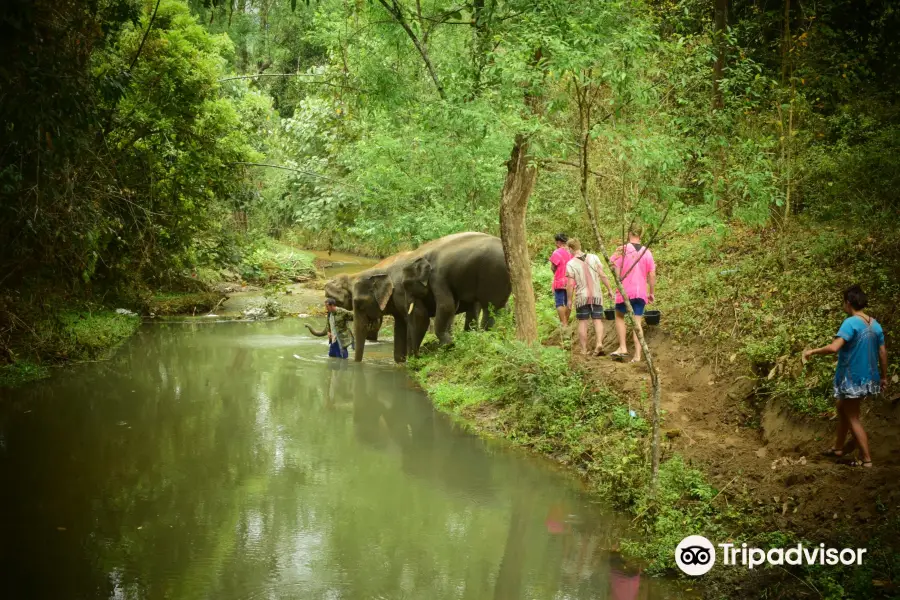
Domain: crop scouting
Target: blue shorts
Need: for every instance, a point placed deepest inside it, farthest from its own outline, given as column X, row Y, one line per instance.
column 335, row 351
column 561, row 297
column 637, row 304
column 589, row 311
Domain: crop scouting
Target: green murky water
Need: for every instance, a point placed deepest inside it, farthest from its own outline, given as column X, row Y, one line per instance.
column 236, row 461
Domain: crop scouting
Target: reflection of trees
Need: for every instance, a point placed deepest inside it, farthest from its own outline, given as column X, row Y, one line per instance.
column 247, row 472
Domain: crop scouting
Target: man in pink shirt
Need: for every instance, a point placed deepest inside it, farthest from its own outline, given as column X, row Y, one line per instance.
column 558, row 261
column 634, row 265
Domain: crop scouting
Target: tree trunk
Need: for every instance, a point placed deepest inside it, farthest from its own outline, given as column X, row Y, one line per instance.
column 721, row 23
column 520, row 178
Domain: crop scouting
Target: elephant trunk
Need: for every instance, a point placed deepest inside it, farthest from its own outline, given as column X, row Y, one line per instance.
column 360, row 329
column 316, row 333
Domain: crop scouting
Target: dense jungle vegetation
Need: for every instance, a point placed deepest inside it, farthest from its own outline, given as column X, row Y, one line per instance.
column 148, row 144
column 762, row 138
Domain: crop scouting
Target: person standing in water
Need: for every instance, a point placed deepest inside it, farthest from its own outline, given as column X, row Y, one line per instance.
column 635, row 268
column 558, row 261
column 859, row 344
column 338, row 328
column 585, row 273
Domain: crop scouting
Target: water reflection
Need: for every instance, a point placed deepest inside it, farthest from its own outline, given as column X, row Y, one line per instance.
column 237, row 461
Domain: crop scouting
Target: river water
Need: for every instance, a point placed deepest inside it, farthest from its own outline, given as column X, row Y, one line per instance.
column 235, row 461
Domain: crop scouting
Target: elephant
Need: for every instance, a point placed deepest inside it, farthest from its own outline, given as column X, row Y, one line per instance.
column 341, row 289
column 465, row 269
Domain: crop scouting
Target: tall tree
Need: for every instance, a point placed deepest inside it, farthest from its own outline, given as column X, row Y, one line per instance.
column 521, row 175
column 720, row 25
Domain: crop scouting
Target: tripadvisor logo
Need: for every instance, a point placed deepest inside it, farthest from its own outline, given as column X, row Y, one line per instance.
column 695, row 555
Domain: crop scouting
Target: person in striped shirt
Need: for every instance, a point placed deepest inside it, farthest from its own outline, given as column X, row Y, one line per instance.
column 585, row 275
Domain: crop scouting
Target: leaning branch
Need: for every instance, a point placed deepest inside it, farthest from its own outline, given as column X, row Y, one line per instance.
column 395, row 11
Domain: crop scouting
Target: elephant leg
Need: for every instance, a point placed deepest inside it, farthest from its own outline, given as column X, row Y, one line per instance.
column 472, row 316
column 445, row 312
column 400, row 341
column 487, row 319
column 417, row 327
column 374, row 326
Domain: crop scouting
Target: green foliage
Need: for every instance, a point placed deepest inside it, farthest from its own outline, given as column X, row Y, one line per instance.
column 20, row 373
column 763, row 298
column 539, row 400
column 182, row 303
column 267, row 261
column 91, row 334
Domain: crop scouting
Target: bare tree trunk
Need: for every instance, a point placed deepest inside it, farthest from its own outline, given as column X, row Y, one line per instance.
column 520, row 178
column 721, row 23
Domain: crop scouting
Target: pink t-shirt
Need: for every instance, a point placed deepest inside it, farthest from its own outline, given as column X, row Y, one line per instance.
column 635, row 282
column 559, row 259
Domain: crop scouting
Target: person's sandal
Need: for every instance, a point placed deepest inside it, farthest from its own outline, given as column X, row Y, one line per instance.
column 866, row 464
column 832, row 453
column 599, row 352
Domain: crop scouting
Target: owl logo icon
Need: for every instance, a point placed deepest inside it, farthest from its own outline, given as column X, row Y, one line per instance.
column 695, row 555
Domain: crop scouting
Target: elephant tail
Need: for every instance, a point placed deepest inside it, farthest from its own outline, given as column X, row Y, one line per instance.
column 316, row 333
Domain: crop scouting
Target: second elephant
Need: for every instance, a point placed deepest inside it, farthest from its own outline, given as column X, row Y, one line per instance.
column 464, row 269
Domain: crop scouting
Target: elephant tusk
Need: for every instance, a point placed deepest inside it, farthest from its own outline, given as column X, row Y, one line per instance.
column 411, row 306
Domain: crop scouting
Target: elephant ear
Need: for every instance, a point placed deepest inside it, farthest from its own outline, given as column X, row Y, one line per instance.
column 420, row 270
column 381, row 287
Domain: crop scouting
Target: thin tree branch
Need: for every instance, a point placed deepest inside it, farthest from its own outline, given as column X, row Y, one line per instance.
column 144, row 39
column 395, row 11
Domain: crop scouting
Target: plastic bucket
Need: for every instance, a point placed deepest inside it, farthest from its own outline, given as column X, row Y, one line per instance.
column 651, row 317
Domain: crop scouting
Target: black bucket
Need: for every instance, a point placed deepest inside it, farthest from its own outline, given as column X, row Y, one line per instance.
column 610, row 314
column 651, row 317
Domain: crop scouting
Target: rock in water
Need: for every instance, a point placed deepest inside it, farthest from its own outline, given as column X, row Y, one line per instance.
column 255, row 313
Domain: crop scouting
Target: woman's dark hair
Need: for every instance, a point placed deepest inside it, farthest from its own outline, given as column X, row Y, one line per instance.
column 857, row 298
column 561, row 237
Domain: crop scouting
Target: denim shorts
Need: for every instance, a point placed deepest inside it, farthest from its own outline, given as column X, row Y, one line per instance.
column 561, row 297
column 589, row 311
column 637, row 304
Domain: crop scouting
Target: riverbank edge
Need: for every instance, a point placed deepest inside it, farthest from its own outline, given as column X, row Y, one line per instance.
column 611, row 454
column 51, row 327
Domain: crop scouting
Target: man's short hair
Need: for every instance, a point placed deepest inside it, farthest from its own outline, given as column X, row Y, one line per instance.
column 574, row 245
column 562, row 238
column 857, row 298
column 331, row 301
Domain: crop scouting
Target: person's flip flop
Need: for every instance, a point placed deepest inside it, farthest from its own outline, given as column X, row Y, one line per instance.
column 599, row 352
column 866, row 464
column 832, row 453
column 620, row 356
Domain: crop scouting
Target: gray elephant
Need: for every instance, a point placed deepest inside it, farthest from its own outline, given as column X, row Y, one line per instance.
column 379, row 292
column 341, row 289
column 467, row 269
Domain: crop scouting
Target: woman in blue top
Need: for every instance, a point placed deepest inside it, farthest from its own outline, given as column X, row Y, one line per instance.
column 859, row 344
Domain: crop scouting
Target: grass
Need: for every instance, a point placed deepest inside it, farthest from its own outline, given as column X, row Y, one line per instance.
column 88, row 333
column 534, row 397
column 757, row 298
column 179, row 303
column 270, row 261
column 20, row 373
